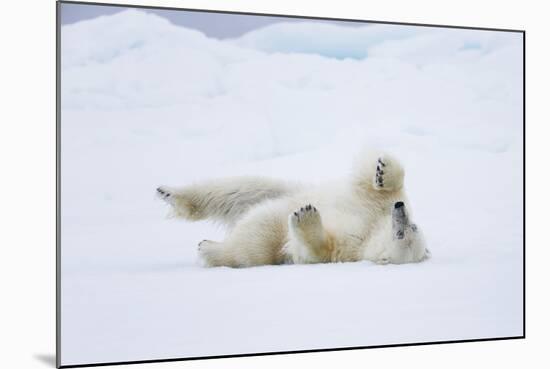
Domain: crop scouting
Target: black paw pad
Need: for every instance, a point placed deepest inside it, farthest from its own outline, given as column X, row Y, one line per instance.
column 163, row 193
column 200, row 244
column 379, row 180
column 379, row 173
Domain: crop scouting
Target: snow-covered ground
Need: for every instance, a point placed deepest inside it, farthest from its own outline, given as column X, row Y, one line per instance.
column 146, row 103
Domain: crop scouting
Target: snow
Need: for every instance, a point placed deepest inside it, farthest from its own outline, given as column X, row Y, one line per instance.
column 147, row 103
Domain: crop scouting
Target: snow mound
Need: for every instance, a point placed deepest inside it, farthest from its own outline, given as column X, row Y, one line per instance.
column 309, row 74
column 334, row 40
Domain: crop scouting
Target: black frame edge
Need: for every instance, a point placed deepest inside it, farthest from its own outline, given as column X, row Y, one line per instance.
column 290, row 352
column 524, row 189
column 58, row 183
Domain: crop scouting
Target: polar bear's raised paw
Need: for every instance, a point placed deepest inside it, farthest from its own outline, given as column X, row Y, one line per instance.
column 388, row 175
column 379, row 178
column 306, row 226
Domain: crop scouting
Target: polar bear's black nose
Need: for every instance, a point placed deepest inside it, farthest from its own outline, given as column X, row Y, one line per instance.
column 399, row 204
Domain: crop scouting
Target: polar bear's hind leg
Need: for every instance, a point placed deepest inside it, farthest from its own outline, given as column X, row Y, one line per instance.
column 257, row 239
column 224, row 200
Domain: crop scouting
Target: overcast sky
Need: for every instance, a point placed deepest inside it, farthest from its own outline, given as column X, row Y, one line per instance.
column 212, row 24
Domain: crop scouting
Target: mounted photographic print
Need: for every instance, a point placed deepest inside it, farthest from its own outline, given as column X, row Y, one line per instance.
column 240, row 184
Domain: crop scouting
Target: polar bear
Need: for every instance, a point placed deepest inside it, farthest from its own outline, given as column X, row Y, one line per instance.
column 366, row 217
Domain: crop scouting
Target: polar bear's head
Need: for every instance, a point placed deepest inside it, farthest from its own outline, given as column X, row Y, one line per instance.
column 405, row 243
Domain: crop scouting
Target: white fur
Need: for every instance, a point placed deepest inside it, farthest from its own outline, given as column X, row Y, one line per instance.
column 273, row 222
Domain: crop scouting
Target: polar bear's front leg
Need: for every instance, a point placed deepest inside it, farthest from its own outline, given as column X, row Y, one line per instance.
column 308, row 239
column 389, row 174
